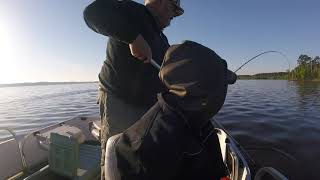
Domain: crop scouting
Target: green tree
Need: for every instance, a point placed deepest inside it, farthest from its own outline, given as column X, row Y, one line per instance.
column 308, row 68
column 317, row 60
column 304, row 59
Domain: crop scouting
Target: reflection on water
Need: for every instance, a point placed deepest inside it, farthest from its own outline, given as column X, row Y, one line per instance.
column 278, row 122
column 308, row 92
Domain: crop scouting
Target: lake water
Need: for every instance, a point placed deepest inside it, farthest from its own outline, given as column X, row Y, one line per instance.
column 277, row 122
column 27, row 108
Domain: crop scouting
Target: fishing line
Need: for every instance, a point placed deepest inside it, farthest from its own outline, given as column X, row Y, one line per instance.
column 263, row 148
column 266, row 52
column 271, row 149
column 278, row 52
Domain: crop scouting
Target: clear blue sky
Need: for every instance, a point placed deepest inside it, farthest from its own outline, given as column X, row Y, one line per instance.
column 47, row 40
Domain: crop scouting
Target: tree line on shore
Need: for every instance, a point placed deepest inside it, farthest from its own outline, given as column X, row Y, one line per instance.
column 308, row 69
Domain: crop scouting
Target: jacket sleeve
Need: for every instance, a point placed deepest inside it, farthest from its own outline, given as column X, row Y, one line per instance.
column 112, row 18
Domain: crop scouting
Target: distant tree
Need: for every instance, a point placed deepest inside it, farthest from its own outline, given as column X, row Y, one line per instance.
column 317, row 60
column 308, row 68
column 304, row 59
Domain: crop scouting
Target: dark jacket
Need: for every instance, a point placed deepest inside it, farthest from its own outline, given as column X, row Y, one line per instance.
column 121, row 73
column 164, row 145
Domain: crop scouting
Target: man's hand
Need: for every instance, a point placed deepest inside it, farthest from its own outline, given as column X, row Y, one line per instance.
column 140, row 49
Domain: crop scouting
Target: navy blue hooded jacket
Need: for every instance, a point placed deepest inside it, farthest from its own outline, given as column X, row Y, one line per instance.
column 163, row 145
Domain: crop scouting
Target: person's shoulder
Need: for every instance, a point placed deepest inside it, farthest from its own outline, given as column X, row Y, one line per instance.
column 135, row 9
column 125, row 3
column 134, row 4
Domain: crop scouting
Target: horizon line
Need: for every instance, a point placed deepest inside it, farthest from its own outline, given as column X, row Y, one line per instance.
column 45, row 83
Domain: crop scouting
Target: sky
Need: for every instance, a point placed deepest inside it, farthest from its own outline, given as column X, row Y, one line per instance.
column 48, row 40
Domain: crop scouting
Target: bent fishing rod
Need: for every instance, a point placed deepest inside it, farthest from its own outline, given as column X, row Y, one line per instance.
column 266, row 52
column 156, row 65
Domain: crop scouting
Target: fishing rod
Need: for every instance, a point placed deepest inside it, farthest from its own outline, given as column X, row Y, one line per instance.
column 156, row 65
column 266, row 52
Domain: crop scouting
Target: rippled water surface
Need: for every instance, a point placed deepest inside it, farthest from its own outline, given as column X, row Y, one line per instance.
column 27, row 108
column 277, row 122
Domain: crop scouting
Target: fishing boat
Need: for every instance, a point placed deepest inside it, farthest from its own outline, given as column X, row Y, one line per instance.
column 71, row 150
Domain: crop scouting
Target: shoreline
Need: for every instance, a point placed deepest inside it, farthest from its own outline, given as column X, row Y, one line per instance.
column 315, row 80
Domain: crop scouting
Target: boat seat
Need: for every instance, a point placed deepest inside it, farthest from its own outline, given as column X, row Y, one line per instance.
column 111, row 171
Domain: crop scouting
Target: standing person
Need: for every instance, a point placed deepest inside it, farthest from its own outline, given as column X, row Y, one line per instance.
column 128, row 82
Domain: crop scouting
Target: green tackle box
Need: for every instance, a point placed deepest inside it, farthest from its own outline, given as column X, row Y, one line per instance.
column 70, row 159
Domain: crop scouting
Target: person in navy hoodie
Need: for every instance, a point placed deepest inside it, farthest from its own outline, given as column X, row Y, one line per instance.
column 175, row 139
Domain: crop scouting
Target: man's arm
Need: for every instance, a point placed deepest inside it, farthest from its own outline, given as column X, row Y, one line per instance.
column 110, row 18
